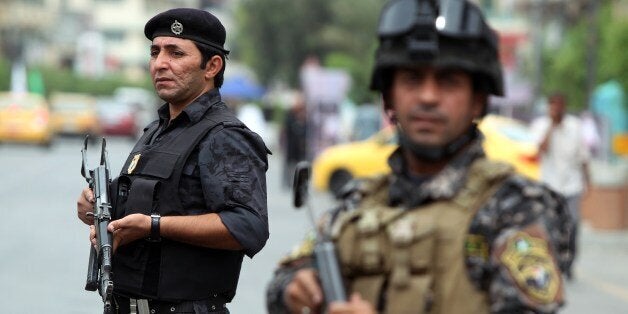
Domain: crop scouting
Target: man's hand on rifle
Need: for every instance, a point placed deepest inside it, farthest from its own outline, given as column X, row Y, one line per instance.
column 304, row 295
column 85, row 206
column 129, row 229
column 355, row 305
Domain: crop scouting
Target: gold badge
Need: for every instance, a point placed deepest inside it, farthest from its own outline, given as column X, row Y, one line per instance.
column 529, row 262
column 133, row 164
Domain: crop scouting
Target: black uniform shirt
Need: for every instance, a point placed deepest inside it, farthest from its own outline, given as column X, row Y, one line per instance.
column 225, row 173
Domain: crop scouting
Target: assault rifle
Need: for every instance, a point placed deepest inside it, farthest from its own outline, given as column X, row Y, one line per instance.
column 99, row 275
column 325, row 258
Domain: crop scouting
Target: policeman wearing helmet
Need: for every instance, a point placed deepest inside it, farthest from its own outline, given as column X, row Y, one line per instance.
column 447, row 231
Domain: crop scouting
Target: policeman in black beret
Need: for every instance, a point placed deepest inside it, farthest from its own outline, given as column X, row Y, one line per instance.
column 191, row 199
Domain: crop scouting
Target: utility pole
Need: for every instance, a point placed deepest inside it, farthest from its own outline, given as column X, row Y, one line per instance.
column 592, row 43
column 537, row 20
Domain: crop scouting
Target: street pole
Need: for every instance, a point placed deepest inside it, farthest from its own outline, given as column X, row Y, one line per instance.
column 591, row 56
column 537, row 19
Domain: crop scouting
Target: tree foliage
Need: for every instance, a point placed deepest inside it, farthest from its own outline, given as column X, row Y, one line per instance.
column 64, row 80
column 276, row 36
column 566, row 67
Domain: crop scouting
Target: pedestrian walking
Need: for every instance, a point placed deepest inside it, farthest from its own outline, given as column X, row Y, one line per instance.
column 293, row 138
column 564, row 156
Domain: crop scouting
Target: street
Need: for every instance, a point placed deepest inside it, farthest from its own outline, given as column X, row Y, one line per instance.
column 45, row 248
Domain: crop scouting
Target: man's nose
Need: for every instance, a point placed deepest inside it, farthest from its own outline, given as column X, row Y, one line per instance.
column 161, row 60
column 428, row 90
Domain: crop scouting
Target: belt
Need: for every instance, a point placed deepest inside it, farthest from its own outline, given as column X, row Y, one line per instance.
column 126, row 305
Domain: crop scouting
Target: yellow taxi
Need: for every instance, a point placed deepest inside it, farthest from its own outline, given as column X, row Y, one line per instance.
column 24, row 117
column 74, row 114
column 506, row 139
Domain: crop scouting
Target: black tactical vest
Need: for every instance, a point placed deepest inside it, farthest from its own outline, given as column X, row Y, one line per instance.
column 149, row 183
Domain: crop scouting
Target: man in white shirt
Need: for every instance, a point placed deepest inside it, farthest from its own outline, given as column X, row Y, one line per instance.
column 564, row 156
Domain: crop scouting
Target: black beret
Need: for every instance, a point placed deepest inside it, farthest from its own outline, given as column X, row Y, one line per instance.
column 194, row 24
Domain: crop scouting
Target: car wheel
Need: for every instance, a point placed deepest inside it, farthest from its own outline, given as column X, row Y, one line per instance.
column 338, row 180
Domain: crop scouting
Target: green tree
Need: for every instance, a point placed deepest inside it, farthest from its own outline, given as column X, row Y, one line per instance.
column 276, row 36
column 566, row 68
column 5, row 74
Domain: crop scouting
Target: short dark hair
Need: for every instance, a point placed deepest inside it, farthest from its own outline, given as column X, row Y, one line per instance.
column 207, row 52
column 557, row 97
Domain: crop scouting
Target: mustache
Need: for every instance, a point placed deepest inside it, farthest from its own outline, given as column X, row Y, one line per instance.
column 427, row 111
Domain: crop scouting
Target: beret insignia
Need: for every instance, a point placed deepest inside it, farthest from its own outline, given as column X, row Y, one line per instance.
column 176, row 27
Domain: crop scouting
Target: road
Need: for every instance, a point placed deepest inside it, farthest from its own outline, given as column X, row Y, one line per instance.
column 44, row 249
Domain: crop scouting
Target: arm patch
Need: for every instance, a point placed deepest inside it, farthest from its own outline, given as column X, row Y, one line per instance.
column 528, row 260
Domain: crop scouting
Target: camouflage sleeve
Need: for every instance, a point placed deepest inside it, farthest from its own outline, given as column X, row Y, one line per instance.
column 526, row 234
column 274, row 290
column 561, row 225
column 299, row 258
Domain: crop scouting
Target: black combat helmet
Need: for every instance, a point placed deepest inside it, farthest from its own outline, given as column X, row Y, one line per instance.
column 444, row 33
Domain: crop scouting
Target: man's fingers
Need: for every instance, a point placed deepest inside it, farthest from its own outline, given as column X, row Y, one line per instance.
column 88, row 195
column 309, row 283
column 112, row 227
column 92, row 235
column 355, row 304
column 84, row 206
column 303, row 292
column 296, row 296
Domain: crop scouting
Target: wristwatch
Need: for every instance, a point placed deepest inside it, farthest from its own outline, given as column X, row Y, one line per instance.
column 154, row 228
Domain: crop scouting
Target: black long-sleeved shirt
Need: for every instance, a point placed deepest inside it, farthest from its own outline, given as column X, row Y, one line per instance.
column 225, row 173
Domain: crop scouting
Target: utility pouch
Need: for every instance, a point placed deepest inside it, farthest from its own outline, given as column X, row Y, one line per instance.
column 120, row 186
column 142, row 197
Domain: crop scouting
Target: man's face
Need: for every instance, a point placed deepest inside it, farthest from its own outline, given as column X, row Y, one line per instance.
column 175, row 70
column 433, row 106
column 556, row 109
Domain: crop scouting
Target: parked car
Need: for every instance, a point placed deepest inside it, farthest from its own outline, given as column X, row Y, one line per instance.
column 506, row 139
column 368, row 120
column 25, row 117
column 117, row 117
column 74, row 114
column 510, row 140
column 144, row 102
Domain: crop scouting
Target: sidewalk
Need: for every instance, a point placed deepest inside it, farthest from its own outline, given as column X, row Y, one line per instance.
column 600, row 283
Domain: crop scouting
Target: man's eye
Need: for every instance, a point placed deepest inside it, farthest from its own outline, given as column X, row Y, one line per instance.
column 154, row 53
column 411, row 77
column 449, row 78
column 178, row 53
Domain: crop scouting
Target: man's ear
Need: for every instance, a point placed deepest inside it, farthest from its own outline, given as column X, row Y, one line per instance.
column 480, row 104
column 392, row 115
column 213, row 67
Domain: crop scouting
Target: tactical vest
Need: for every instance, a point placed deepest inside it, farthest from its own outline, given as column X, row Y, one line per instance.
column 413, row 261
column 149, row 183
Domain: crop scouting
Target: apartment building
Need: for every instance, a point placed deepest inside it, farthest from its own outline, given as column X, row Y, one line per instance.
column 94, row 37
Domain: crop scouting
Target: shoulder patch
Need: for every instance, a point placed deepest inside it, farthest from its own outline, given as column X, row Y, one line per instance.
column 303, row 250
column 527, row 257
